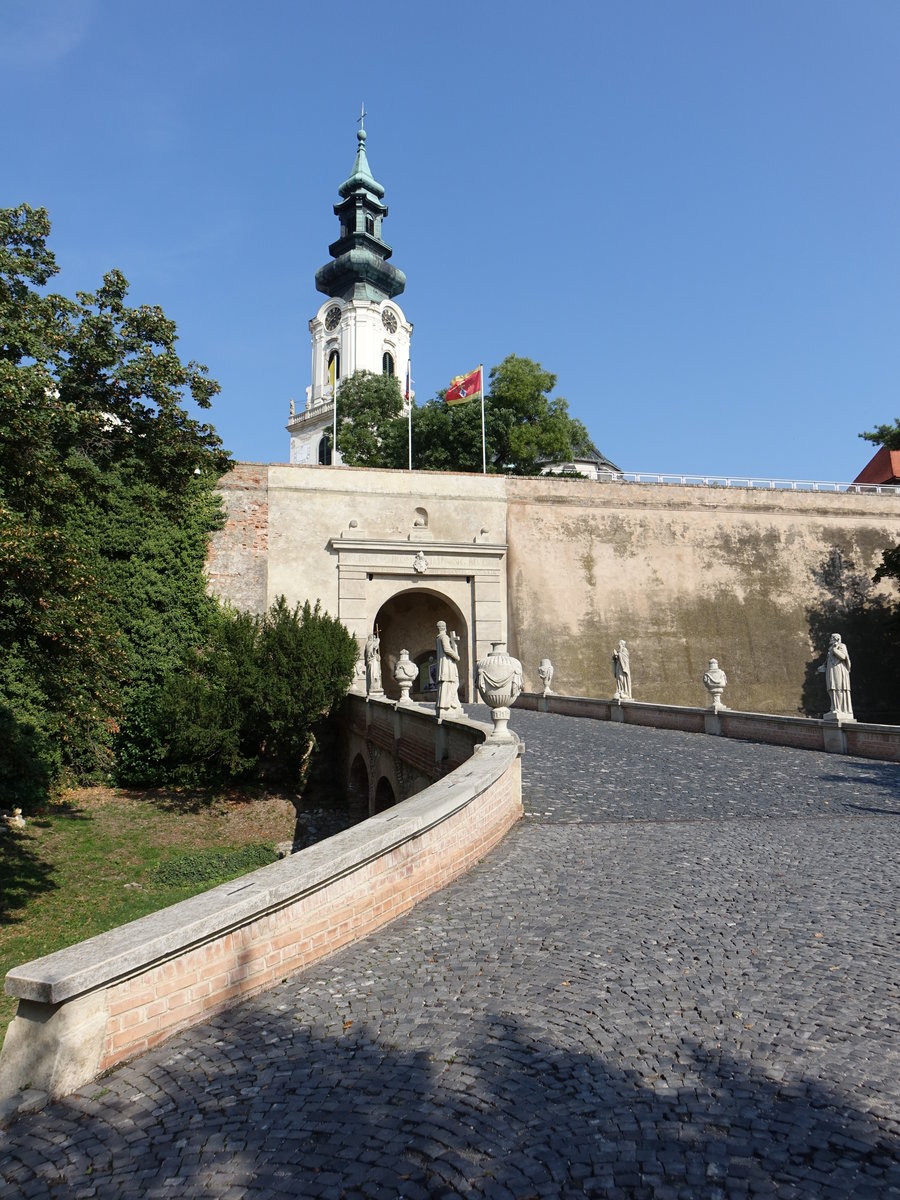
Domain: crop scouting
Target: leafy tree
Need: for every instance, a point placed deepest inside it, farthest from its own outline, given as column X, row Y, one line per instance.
column 370, row 430
column 446, row 437
column 106, row 502
column 524, row 427
column 885, row 435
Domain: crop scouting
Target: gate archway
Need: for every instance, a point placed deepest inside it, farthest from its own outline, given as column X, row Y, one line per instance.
column 408, row 621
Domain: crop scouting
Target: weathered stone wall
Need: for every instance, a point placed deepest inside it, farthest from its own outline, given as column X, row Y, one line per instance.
column 237, row 566
column 682, row 573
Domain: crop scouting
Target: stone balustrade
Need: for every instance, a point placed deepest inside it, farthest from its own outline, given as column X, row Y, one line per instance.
column 837, row 737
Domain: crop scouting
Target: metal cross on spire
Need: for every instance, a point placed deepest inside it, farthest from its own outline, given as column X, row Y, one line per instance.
column 362, row 116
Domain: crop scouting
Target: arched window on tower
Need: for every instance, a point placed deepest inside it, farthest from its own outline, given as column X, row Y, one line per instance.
column 335, row 357
column 325, row 450
column 387, row 363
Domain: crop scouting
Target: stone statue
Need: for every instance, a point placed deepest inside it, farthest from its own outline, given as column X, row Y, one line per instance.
column 359, row 676
column 837, row 679
column 405, row 673
column 715, row 680
column 621, row 661
column 447, row 648
column 545, row 674
column 373, row 664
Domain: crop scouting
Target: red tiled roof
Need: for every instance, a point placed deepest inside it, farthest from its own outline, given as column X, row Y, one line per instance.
column 884, row 467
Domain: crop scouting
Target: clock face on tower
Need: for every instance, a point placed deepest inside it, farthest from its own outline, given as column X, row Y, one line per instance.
column 389, row 320
column 332, row 318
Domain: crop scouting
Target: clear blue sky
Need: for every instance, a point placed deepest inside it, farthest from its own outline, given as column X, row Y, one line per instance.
column 690, row 212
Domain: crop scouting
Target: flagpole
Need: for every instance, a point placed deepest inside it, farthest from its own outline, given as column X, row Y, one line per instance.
column 483, row 442
column 409, row 406
column 332, row 370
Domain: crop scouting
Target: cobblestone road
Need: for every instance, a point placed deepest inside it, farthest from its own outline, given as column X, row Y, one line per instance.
column 677, row 977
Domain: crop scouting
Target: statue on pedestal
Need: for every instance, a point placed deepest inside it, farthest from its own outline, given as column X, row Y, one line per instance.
column 837, row 679
column 373, row 664
column 447, row 649
column 545, row 674
column 621, row 661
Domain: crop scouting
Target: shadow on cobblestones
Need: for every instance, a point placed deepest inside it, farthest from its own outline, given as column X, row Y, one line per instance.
column 511, row 1116
column 675, row 979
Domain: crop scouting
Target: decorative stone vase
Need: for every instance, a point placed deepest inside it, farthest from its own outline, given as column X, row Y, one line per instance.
column 499, row 681
column 545, row 674
column 715, row 680
column 405, row 673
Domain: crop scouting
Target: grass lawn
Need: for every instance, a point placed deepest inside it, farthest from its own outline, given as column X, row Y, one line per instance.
column 102, row 857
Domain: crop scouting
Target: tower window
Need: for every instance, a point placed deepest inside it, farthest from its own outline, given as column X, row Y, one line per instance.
column 387, row 363
column 325, row 450
column 370, row 225
column 335, row 357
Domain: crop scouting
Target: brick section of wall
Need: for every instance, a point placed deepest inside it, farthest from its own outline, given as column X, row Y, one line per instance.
column 151, row 1006
column 870, row 741
column 237, row 561
column 754, row 727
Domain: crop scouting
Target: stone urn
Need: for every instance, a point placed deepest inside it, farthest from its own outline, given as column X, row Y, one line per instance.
column 499, row 681
column 714, row 680
column 405, row 674
column 545, row 674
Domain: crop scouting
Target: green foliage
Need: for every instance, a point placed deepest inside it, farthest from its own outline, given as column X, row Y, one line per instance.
column 523, row 424
column 890, row 565
column 245, row 700
column 106, row 503
column 210, row 866
column 524, row 427
column 370, row 429
column 885, row 435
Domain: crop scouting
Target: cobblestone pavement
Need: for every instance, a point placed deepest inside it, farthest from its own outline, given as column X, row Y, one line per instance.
column 677, row 977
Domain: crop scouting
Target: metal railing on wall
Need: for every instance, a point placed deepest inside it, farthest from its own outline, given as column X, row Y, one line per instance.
column 747, row 481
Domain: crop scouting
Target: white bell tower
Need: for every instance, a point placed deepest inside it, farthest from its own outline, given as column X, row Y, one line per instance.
column 360, row 327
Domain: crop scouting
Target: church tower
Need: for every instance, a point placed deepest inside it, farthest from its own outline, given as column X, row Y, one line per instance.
column 360, row 327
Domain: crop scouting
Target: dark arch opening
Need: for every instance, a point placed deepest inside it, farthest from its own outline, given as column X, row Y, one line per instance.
column 358, row 789
column 325, row 450
column 387, row 363
column 408, row 621
column 384, row 795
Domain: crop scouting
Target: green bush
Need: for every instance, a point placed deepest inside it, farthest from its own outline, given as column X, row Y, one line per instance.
column 245, row 701
column 211, row 866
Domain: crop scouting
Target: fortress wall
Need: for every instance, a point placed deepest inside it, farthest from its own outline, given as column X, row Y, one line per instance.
column 683, row 574
column 237, row 564
column 308, row 506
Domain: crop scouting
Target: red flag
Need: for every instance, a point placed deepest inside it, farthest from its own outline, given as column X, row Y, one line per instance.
column 464, row 388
